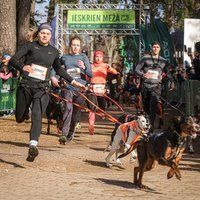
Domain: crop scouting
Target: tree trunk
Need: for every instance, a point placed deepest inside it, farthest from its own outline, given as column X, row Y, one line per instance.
column 52, row 4
column 8, row 26
column 23, row 21
column 111, row 45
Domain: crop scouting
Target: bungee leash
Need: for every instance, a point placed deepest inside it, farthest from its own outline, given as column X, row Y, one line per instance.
column 110, row 117
column 68, row 101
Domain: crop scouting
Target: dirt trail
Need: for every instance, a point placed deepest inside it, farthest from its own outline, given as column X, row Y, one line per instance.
column 77, row 170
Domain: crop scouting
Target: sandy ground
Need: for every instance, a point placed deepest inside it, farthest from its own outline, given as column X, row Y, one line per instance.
column 77, row 170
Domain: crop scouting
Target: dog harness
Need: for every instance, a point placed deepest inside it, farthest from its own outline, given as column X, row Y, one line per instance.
column 135, row 128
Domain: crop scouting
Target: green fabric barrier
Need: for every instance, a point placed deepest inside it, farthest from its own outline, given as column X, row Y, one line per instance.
column 177, row 95
column 192, row 95
column 187, row 92
column 8, row 94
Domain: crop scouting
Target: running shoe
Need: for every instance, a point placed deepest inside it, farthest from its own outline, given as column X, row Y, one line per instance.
column 32, row 153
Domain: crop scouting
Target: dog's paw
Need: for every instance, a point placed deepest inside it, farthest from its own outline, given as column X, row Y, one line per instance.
column 178, row 174
column 143, row 187
column 170, row 174
column 109, row 165
column 118, row 161
column 59, row 131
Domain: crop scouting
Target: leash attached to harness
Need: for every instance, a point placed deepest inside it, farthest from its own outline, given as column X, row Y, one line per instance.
column 114, row 102
column 182, row 113
column 110, row 117
column 110, row 99
column 68, row 101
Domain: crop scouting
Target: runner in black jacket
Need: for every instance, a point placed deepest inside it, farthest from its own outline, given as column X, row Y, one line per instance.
column 33, row 88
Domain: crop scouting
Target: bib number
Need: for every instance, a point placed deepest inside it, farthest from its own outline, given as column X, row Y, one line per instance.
column 99, row 88
column 74, row 73
column 153, row 74
column 39, row 72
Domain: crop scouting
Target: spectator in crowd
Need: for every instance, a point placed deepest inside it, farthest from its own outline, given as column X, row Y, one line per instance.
column 188, row 66
column 150, row 68
column 5, row 72
column 112, row 82
column 78, row 66
column 98, row 86
column 196, row 62
column 187, row 58
column 120, row 83
column 34, row 85
column 132, row 90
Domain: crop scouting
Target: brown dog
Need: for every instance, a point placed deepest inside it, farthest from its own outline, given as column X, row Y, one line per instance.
column 166, row 148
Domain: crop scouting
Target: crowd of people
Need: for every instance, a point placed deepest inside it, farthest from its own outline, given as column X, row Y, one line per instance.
column 6, row 71
column 190, row 69
column 142, row 87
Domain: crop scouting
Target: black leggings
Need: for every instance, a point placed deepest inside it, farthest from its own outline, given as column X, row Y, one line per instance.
column 39, row 100
column 97, row 100
column 150, row 99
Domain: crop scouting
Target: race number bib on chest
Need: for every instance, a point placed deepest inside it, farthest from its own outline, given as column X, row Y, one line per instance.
column 99, row 88
column 153, row 74
column 39, row 72
column 74, row 73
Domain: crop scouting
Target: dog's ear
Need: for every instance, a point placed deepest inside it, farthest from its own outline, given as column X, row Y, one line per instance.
column 132, row 117
column 175, row 123
column 141, row 112
column 138, row 112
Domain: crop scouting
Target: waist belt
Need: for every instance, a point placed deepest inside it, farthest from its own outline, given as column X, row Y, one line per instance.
column 34, row 84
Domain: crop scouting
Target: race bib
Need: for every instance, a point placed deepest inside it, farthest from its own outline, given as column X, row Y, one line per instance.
column 99, row 88
column 114, row 81
column 74, row 73
column 153, row 74
column 39, row 72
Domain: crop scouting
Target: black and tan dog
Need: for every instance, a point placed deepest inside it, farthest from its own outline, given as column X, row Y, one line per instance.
column 166, row 148
column 54, row 112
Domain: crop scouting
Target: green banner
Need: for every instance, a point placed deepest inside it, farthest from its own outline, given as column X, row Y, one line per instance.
column 99, row 19
column 158, row 32
column 8, row 94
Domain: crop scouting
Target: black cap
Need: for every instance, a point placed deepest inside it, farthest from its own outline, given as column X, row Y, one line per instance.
column 45, row 26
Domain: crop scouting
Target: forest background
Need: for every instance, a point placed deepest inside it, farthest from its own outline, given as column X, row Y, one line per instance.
column 18, row 19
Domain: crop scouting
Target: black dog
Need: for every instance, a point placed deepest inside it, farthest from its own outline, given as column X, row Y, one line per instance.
column 54, row 111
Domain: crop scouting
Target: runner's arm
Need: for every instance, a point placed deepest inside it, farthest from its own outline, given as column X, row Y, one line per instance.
column 15, row 59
